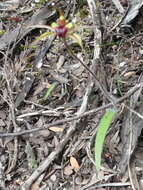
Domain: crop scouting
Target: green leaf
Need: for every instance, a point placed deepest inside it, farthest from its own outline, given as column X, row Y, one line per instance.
column 76, row 38
column 103, row 126
column 50, row 90
column 69, row 25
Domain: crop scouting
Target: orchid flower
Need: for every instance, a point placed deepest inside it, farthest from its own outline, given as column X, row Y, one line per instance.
column 62, row 29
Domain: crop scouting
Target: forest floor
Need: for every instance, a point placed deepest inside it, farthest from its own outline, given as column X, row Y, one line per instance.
column 51, row 105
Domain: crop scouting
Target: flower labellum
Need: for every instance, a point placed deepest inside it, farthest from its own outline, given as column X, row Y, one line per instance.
column 61, row 31
column 61, row 28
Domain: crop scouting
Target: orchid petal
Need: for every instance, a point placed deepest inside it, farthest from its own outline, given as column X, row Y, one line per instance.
column 69, row 25
column 76, row 38
column 44, row 35
column 54, row 25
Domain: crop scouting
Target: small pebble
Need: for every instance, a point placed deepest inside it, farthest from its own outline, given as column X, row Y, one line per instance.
column 122, row 64
column 53, row 177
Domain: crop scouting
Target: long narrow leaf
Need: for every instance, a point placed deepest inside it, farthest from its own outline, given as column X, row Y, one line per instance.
column 44, row 35
column 104, row 124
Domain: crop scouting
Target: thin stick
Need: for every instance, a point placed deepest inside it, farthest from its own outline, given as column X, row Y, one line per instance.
column 118, row 6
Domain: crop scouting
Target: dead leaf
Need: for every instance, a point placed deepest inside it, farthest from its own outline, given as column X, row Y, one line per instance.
column 35, row 186
column 74, row 163
column 56, row 129
column 129, row 74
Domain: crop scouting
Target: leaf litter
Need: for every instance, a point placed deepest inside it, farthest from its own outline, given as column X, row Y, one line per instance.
column 61, row 88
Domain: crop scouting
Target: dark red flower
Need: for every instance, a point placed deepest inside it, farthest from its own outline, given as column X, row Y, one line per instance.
column 61, row 31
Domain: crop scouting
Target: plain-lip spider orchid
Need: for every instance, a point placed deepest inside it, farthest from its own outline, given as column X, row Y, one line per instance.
column 62, row 29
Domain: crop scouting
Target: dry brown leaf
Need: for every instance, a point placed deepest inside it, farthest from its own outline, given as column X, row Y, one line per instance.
column 129, row 74
column 74, row 163
column 56, row 129
column 35, row 186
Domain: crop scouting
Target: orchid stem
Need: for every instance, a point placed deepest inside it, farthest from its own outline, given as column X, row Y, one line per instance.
column 102, row 88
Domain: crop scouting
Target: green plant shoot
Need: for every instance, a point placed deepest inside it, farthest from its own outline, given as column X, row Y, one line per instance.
column 50, row 90
column 103, row 126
